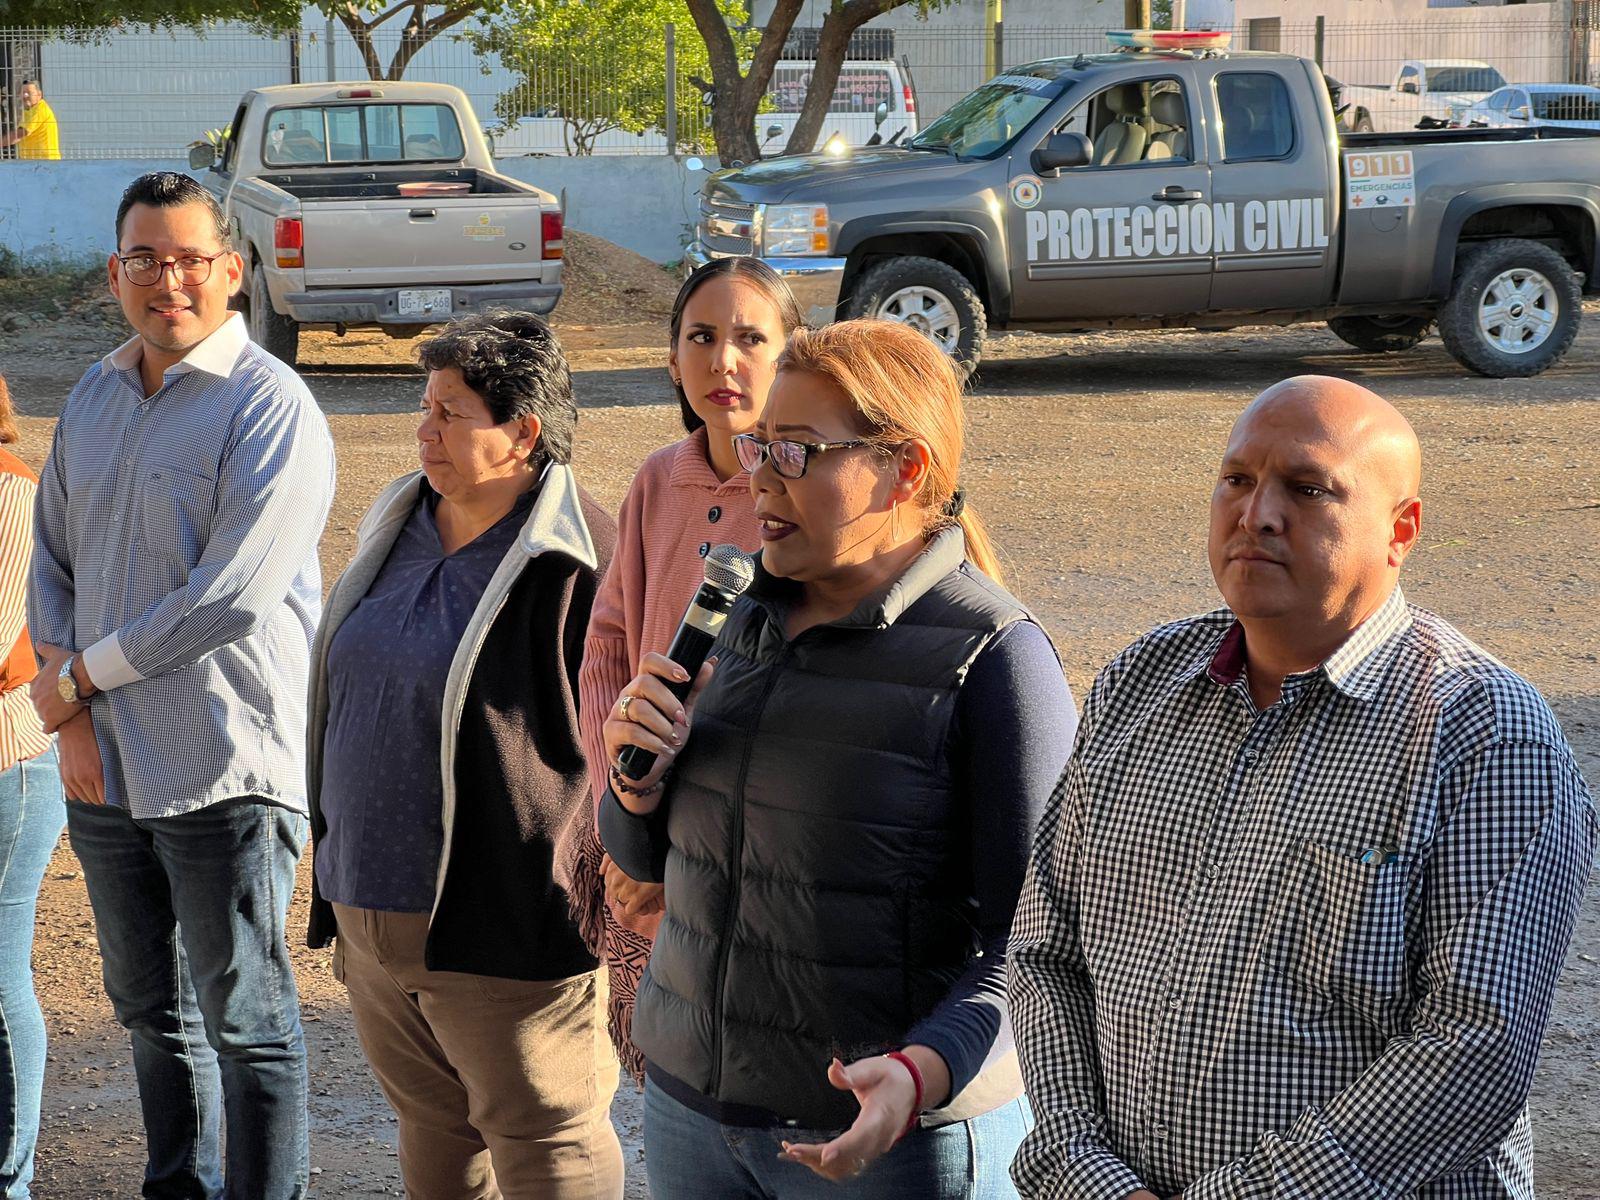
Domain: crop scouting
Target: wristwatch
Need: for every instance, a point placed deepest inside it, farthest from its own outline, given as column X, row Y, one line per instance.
column 66, row 684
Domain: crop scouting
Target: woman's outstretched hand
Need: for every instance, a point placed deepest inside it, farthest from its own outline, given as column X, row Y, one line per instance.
column 886, row 1093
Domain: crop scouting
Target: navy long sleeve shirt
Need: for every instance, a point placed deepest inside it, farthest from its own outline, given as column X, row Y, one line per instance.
column 1014, row 727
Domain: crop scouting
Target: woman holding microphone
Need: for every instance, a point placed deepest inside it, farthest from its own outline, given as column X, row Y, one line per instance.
column 729, row 324
column 843, row 834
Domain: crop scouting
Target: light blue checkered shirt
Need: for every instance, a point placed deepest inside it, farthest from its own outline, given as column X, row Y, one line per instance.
column 176, row 545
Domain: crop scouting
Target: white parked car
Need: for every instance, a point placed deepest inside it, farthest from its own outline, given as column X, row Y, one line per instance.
column 1525, row 105
column 1426, row 93
column 863, row 85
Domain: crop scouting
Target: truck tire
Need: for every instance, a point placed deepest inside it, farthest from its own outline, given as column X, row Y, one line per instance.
column 1363, row 121
column 278, row 336
column 1513, row 309
column 1379, row 334
column 929, row 296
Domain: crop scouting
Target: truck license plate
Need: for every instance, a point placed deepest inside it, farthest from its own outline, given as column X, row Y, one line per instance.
column 425, row 302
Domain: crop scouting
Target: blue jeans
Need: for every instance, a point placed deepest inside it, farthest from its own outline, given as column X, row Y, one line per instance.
column 31, row 816
column 691, row 1157
column 189, row 912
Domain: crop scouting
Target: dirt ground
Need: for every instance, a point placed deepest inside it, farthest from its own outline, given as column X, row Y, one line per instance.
column 1091, row 457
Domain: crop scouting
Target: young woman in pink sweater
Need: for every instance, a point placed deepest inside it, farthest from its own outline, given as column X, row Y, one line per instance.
column 729, row 324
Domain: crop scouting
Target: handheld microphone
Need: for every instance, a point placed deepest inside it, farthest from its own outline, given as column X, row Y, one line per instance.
column 729, row 571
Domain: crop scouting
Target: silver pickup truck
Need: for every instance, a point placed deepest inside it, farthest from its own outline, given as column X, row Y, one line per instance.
column 376, row 205
column 1202, row 189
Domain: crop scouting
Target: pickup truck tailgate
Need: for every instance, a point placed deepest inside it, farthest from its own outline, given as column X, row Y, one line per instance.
column 414, row 242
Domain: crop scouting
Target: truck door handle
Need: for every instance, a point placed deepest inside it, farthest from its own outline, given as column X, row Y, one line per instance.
column 423, row 214
column 1173, row 194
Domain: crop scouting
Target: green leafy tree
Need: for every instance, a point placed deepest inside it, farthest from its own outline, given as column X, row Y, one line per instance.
column 89, row 15
column 420, row 21
column 598, row 65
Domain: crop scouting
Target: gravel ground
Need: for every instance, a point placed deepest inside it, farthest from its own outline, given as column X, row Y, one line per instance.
column 1091, row 457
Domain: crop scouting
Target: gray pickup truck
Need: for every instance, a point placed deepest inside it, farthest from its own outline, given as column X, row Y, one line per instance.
column 1199, row 189
column 375, row 205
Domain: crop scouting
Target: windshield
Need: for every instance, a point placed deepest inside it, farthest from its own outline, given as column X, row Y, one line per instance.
column 1464, row 79
column 983, row 124
column 1566, row 106
column 364, row 133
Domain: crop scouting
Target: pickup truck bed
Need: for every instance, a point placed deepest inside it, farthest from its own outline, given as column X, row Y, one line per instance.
column 331, row 241
column 367, row 184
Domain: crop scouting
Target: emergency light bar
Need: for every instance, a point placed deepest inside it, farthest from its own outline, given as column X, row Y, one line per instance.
column 1169, row 39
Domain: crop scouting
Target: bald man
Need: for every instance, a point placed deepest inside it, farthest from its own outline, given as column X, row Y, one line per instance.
column 1298, row 905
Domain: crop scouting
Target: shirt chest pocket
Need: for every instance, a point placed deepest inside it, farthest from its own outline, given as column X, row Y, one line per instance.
column 177, row 508
column 1338, row 929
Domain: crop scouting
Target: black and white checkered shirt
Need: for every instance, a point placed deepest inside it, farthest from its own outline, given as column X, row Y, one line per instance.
column 1302, row 952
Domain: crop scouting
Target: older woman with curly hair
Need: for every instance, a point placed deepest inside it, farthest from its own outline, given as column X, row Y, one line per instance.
column 446, row 760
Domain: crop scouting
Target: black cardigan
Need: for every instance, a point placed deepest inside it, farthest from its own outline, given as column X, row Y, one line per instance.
column 521, row 782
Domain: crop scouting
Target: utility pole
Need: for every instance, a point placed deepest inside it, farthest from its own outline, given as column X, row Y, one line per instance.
column 1136, row 14
column 994, row 55
column 333, row 60
column 1178, row 14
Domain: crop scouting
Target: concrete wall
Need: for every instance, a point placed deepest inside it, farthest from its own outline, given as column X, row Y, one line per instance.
column 64, row 211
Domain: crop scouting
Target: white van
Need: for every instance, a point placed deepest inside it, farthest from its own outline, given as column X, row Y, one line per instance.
column 862, row 86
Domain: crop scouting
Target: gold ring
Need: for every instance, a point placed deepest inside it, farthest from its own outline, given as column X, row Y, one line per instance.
column 622, row 706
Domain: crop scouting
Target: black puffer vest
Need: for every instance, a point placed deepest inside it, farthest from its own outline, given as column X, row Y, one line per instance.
column 818, row 882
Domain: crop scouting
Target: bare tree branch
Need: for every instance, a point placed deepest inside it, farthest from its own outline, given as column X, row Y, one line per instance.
column 413, row 42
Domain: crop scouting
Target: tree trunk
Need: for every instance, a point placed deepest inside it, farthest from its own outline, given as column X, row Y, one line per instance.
column 417, row 36
column 418, row 33
column 738, row 96
column 832, row 45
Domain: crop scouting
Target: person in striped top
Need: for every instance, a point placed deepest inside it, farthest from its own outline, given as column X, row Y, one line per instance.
column 730, row 322
column 31, row 818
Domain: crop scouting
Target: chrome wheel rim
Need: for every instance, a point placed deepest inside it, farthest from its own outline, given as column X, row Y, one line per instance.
column 929, row 312
column 1517, row 312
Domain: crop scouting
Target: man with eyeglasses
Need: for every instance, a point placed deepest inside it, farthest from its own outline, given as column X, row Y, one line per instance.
column 174, row 592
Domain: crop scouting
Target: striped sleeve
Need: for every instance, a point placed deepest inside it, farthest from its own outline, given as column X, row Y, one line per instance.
column 21, row 734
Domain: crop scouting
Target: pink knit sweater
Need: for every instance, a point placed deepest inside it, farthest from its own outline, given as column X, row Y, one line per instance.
column 674, row 506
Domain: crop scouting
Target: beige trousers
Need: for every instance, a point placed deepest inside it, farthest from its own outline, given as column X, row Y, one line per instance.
column 502, row 1088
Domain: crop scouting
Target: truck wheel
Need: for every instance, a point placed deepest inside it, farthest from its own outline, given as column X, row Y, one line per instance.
column 1378, row 334
column 929, row 296
column 1513, row 309
column 1364, row 122
column 278, row 336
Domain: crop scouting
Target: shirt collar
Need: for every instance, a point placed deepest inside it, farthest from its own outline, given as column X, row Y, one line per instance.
column 945, row 551
column 1355, row 668
column 217, row 355
column 691, row 468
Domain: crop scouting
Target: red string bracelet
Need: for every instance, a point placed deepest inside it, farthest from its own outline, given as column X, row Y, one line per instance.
column 916, row 1078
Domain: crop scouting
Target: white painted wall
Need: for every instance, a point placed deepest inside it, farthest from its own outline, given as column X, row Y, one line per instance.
column 54, row 212
column 1368, row 39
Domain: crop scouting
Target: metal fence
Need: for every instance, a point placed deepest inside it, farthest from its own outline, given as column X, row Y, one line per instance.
column 150, row 94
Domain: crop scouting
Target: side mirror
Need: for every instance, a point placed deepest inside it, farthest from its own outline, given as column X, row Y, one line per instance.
column 1409, row 87
column 1062, row 150
column 694, row 164
column 1519, row 113
column 202, row 157
column 773, row 131
column 880, row 114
